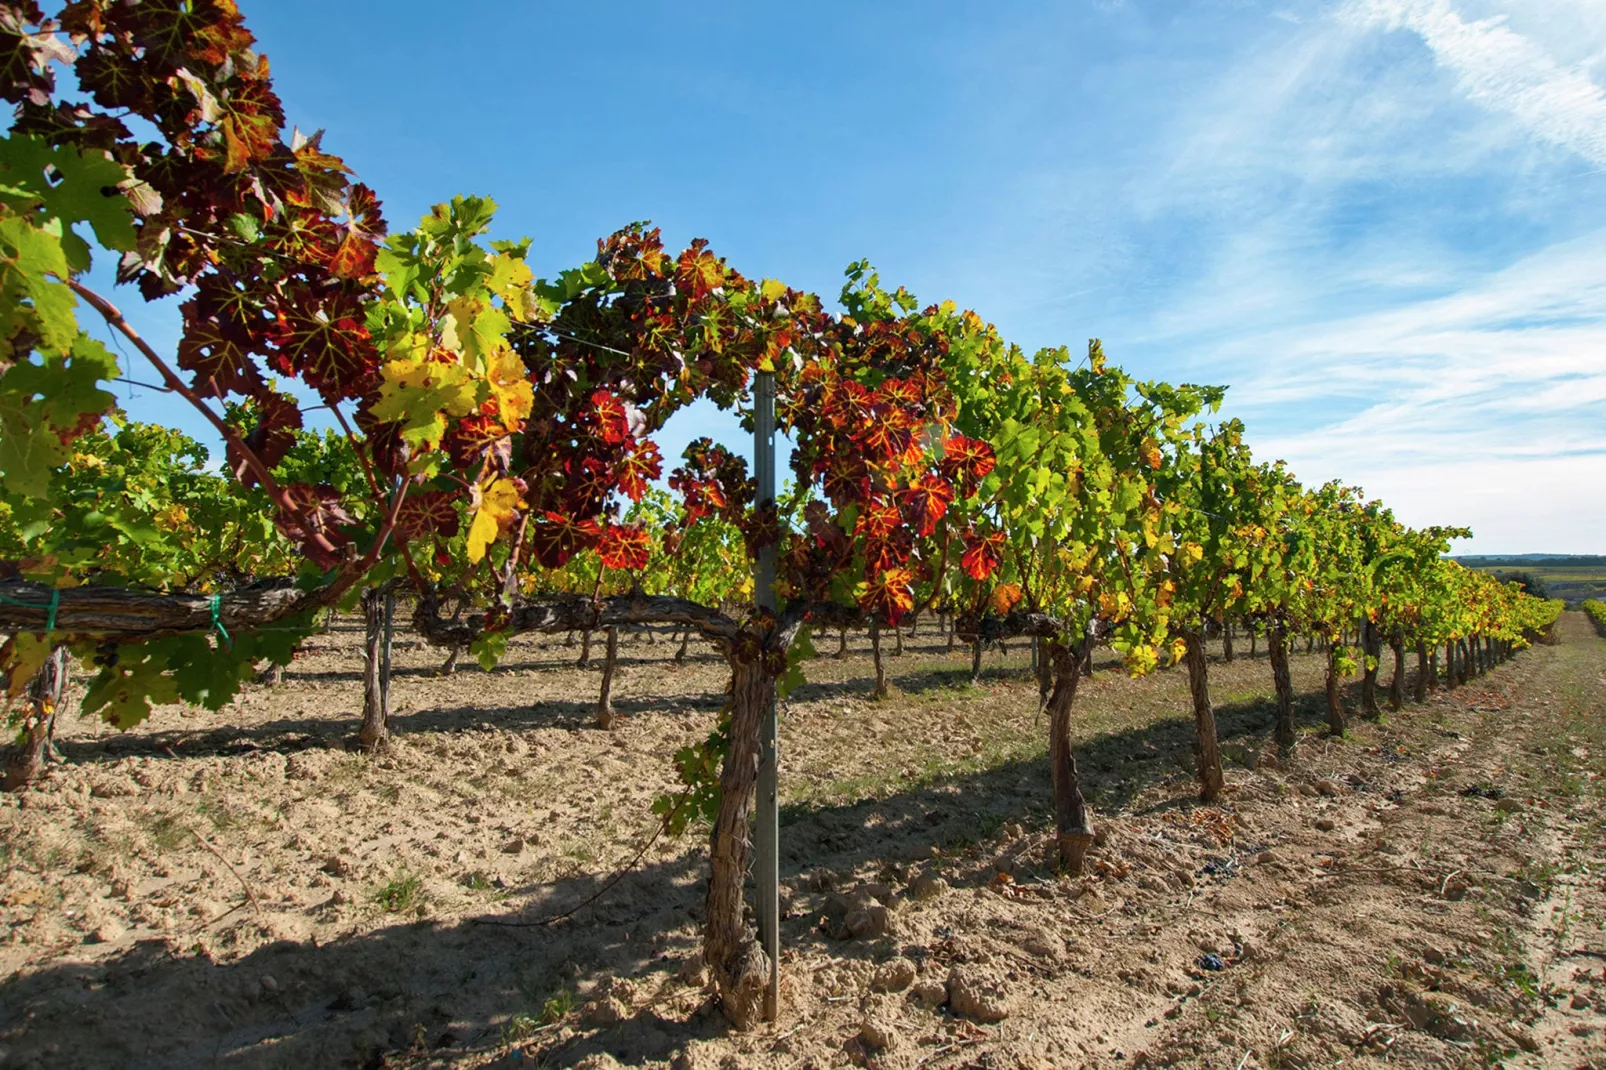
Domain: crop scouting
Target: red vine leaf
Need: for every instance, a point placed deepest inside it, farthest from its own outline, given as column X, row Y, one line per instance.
column 637, row 468
column 278, row 417
column 982, row 555
column 555, row 538
column 313, row 512
column 967, row 460
column 888, row 593
column 427, row 513
column 326, row 344
column 613, row 424
column 926, row 501
column 625, row 546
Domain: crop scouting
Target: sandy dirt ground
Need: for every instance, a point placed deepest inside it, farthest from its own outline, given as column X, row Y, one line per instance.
column 242, row 889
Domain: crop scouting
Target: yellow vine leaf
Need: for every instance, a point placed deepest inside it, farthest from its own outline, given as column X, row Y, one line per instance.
column 510, row 388
column 510, row 280
column 1006, row 596
column 499, row 505
column 420, row 395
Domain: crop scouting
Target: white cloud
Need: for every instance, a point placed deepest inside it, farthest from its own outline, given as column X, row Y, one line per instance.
column 1403, row 291
column 1485, row 408
column 1530, row 506
column 1502, row 70
column 1522, row 338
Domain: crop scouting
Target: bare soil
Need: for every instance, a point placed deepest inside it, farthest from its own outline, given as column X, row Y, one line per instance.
column 241, row 889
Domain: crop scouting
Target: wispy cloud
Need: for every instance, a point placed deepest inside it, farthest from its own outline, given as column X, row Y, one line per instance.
column 1543, row 318
column 1405, row 292
column 1502, row 70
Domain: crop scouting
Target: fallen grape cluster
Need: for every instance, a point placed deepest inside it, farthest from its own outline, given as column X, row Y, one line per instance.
column 490, row 459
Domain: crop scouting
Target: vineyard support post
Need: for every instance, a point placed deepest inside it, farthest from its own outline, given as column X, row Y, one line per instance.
column 385, row 652
column 767, row 835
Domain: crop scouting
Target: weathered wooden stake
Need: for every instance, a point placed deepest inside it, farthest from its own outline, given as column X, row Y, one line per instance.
column 767, row 833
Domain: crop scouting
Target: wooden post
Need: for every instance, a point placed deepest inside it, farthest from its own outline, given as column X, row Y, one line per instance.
column 767, row 831
column 384, row 652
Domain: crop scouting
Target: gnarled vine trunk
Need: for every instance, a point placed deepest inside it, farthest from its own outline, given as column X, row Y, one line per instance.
column 1277, row 650
column 451, row 662
column 1336, row 722
column 1371, row 651
column 685, row 643
column 1397, row 682
column 25, row 758
column 378, row 613
column 610, row 659
column 842, row 647
column 1226, row 640
column 1206, row 747
column 730, row 948
column 880, row 669
column 584, row 661
column 1073, row 830
column 975, row 662
column 1423, row 673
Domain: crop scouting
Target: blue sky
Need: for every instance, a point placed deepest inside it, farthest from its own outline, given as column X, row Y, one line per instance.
column 1382, row 222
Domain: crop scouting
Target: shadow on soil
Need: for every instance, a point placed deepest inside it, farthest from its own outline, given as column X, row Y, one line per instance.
column 426, row 987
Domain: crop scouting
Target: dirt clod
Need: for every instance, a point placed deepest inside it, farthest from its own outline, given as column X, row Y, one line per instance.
column 978, row 992
column 879, row 1034
column 894, row 975
column 107, row 932
column 871, row 923
column 605, row 1012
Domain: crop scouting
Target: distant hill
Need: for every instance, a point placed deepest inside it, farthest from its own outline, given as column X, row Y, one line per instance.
column 1532, row 560
column 1572, row 577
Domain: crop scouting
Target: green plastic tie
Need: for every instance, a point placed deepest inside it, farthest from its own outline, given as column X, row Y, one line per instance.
column 50, row 610
column 217, row 621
